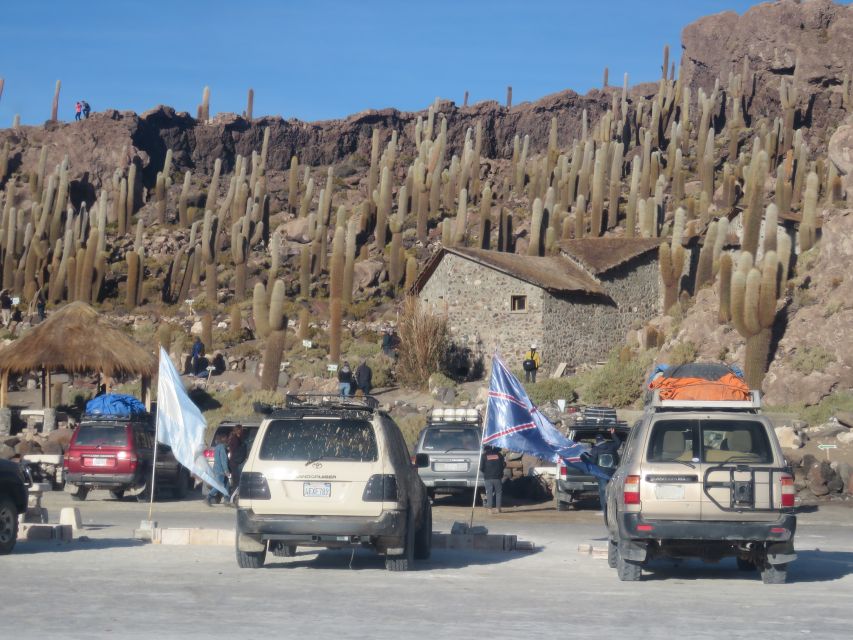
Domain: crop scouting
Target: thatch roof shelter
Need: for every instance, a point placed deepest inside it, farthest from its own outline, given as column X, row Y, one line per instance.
column 75, row 339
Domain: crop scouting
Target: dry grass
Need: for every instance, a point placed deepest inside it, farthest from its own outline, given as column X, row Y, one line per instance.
column 423, row 343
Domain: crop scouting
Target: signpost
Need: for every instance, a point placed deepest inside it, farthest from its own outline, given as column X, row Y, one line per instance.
column 827, row 447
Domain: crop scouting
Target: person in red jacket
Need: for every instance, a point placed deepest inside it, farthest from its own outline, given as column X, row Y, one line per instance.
column 78, row 110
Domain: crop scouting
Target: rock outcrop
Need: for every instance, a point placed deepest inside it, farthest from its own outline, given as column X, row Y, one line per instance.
column 807, row 42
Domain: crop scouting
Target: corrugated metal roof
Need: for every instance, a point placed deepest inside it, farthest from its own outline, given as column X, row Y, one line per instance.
column 555, row 274
column 600, row 255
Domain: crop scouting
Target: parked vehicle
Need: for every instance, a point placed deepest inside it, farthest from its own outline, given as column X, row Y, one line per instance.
column 116, row 453
column 13, row 500
column 326, row 471
column 702, row 478
column 451, row 442
column 571, row 483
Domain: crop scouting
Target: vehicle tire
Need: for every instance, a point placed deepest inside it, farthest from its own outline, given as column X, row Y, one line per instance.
column 8, row 526
column 117, row 494
column 80, row 494
column 628, row 570
column 612, row 551
column 281, row 550
column 406, row 561
column 182, row 484
column 774, row 573
column 423, row 536
column 745, row 565
column 251, row 559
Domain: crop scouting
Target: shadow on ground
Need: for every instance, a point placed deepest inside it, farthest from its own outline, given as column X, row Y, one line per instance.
column 364, row 559
column 810, row 566
column 30, row 547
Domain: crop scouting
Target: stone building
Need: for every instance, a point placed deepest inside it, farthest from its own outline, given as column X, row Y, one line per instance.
column 575, row 306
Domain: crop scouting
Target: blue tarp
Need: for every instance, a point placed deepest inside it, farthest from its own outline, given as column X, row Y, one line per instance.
column 114, row 404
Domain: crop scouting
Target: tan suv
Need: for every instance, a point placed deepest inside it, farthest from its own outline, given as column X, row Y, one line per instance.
column 702, row 479
column 330, row 472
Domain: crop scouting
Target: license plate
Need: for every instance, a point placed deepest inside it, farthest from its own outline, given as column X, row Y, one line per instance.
column 451, row 466
column 669, row 492
column 97, row 462
column 316, row 489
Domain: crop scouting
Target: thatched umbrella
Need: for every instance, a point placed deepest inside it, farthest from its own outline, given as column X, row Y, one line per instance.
column 75, row 339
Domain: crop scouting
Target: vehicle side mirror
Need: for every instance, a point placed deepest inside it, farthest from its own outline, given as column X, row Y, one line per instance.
column 421, row 460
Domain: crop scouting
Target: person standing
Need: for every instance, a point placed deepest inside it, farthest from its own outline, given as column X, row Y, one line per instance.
column 237, row 454
column 6, row 307
column 86, row 109
column 197, row 353
column 364, row 377
column 78, row 110
column 41, row 305
column 531, row 363
column 220, row 469
column 345, row 380
column 492, row 466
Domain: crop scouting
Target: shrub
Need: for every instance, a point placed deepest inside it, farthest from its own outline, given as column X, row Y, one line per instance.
column 682, row 353
column 423, row 343
column 550, row 390
column 411, row 425
column 618, row 384
column 810, row 359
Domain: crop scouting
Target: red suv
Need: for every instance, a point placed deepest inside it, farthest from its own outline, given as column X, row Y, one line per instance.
column 116, row 454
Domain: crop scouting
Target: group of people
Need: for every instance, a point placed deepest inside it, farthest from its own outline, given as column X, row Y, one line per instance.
column 229, row 455
column 360, row 381
column 81, row 109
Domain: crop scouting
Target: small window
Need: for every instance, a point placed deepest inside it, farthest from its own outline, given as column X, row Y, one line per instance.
column 518, row 303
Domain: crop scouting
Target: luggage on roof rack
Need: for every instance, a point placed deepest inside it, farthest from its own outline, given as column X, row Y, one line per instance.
column 701, row 382
column 115, row 405
column 752, row 403
column 326, row 400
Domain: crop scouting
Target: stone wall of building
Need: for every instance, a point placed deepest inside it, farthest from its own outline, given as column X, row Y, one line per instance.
column 476, row 300
column 582, row 330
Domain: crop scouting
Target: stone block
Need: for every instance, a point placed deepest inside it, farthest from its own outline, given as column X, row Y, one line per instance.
column 173, row 536
column 71, row 517
column 207, row 537
column 41, row 532
column 226, row 537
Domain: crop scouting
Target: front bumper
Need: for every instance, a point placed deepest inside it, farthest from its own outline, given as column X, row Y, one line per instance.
column 318, row 529
column 103, row 480
column 632, row 526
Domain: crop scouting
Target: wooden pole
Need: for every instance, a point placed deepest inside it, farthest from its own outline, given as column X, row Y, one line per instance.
column 49, row 387
column 43, row 388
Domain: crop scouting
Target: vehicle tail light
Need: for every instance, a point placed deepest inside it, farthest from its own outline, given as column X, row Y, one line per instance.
column 564, row 472
column 381, row 488
column 645, row 527
column 787, row 491
column 253, row 486
column 208, row 453
column 631, row 490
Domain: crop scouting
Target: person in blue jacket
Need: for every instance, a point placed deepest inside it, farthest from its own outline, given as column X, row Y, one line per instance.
column 220, row 469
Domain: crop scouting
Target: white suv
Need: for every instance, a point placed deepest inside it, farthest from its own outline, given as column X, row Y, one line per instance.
column 330, row 472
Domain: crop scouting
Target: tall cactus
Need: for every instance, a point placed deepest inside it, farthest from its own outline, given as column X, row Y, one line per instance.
column 725, row 288
column 754, row 294
column 260, row 310
column 807, row 233
column 336, row 286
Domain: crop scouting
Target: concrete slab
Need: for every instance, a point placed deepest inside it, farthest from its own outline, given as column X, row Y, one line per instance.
column 60, row 532
column 71, row 516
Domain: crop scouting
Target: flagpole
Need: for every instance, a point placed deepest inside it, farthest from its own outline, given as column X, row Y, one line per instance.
column 480, row 457
column 156, row 446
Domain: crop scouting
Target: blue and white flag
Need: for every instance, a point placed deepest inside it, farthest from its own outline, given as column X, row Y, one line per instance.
column 513, row 422
column 180, row 423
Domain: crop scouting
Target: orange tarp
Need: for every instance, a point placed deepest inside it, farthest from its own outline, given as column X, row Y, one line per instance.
column 729, row 387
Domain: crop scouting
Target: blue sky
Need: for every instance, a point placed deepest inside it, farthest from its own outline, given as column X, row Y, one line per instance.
column 326, row 58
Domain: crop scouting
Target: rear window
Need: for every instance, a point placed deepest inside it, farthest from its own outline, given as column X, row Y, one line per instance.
column 319, row 440
column 452, row 439
column 249, row 434
column 108, row 435
column 712, row 441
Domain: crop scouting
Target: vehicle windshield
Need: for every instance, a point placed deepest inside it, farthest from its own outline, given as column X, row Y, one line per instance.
column 452, row 438
column 106, row 435
column 310, row 440
column 249, row 434
column 713, row 441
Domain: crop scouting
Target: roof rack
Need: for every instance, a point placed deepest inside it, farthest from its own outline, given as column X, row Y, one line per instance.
column 753, row 404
